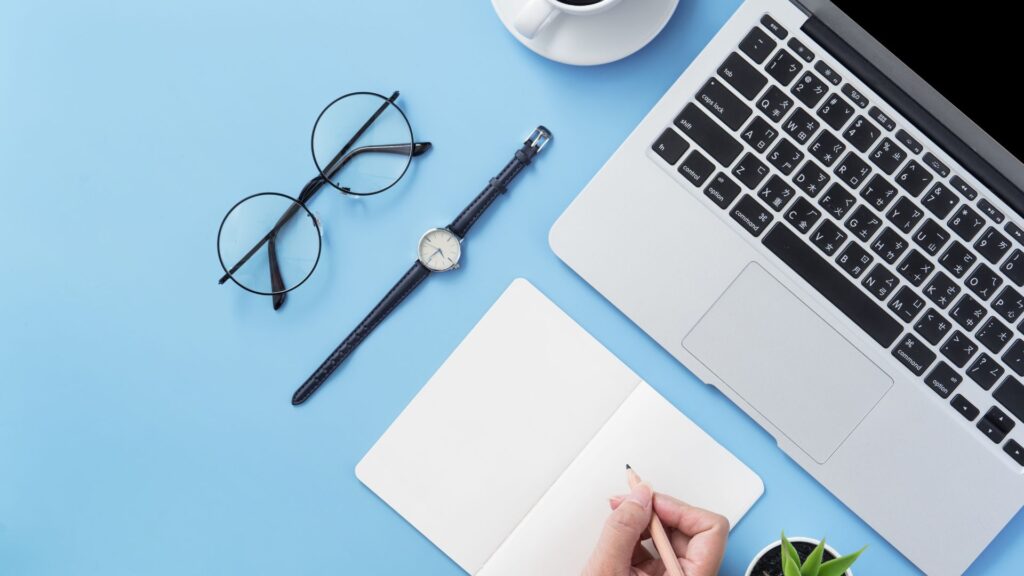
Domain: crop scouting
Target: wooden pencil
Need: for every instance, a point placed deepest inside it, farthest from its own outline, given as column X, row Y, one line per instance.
column 658, row 534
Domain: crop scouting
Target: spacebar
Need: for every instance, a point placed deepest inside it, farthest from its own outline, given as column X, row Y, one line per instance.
column 826, row 279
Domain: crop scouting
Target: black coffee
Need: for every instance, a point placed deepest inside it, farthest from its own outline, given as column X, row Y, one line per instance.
column 579, row 2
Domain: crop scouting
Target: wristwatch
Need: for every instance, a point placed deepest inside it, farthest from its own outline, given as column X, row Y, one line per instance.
column 439, row 250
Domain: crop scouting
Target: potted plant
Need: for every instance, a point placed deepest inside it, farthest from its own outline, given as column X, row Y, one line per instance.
column 801, row 557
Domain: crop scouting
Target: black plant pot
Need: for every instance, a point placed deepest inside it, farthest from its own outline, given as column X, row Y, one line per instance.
column 768, row 562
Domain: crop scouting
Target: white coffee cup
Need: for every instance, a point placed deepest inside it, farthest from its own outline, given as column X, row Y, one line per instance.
column 539, row 13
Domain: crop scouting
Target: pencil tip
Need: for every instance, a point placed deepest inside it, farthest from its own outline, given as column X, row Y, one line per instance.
column 628, row 467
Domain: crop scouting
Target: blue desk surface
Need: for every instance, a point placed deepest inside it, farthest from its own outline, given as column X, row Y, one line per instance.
column 145, row 426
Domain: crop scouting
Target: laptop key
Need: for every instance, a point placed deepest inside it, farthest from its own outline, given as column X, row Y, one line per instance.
column 888, row 156
column 800, row 125
column 1014, row 357
column 1011, row 395
column 940, row 200
column 935, row 164
column 785, row 157
column 707, row 134
column 985, row 371
column 828, row 73
column 909, row 141
column 1009, row 304
column 964, row 407
column 837, row 201
column 906, row 304
column 943, row 380
column 803, row 215
column 994, row 335
column 861, row 133
column 914, row 178
column 904, row 215
column 941, row 290
column 853, row 170
column 958, row 259
column 915, row 268
column 746, row 79
column 913, row 354
column 931, row 237
column 776, row 193
column 723, row 104
column 828, row 237
column 750, row 171
column 882, row 118
column 932, row 326
column 878, row 193
column 990, row 430
column 855, row 95
column 1015, row 232
column 757, row 45
column 1015, row 450
column 968, row 312
column 751, row 215
column 809, row 89
column 823, row 277
column 774, row 27
column 966, row 223
column 863, row 223
column 759, row 134
column 696, row 168
column 880, row 282
column 670, row 146
column 722, row 190
column 811, row 179
column 835, row 111
column 798, row 48
column 992, row 245
column 999, row 418
column 1014, row 267
column 889, row 245
column 774, row 104
column 854, row 259
column 784, row 67
column 983, row 281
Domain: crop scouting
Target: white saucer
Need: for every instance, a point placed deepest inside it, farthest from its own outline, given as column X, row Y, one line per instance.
column 595, row 39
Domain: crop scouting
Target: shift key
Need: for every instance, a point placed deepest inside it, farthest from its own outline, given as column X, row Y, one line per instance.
column 708, row 135
column 723, row 104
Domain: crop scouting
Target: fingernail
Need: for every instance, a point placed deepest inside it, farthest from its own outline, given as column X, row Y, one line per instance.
column 641, row 495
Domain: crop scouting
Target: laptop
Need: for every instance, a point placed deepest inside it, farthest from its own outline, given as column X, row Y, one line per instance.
column 813, row 228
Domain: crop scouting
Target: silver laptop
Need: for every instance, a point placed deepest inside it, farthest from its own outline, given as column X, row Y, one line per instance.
column 812, row 228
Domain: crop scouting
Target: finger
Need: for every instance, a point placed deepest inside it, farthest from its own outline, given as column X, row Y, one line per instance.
column 689, row 520
column 621, row 533
column 615, row 501
column 640, row 555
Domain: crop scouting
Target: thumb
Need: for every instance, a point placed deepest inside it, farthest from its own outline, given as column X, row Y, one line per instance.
column 621, row 534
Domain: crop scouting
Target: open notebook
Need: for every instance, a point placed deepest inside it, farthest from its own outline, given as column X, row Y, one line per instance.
column 506, row 458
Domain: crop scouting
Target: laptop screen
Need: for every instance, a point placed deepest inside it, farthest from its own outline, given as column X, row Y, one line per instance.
column 969, row 54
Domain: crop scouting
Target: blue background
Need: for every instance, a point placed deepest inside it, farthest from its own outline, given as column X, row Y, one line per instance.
column 145, row 426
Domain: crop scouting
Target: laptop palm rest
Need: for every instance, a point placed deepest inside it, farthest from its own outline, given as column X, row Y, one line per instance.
column 787, row 363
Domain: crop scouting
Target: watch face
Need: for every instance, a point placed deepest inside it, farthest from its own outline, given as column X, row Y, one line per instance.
column 440, row 249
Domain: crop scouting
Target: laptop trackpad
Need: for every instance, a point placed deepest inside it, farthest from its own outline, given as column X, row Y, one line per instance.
column 787, row 363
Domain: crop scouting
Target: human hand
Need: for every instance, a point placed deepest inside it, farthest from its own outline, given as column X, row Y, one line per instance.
column 698, row 537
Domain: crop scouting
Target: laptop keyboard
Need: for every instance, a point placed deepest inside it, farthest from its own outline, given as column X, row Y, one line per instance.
column 801, row 159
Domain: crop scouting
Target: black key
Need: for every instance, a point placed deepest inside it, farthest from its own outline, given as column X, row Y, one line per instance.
column 904, row 215
column 959, row 349
column 863, row 223
column 882, row 118
column 750, row 171
column 905, row 303
column 706, row 133
column 742, row 76
column 785, row 156
column 827, row 148
column 1009, row 304
column 932, row 326
column 784, row 67
column 966, row 223
column 802, row 215
column 809, row 89
column 751, row 215
column 800, row 125
column 965, row 408
column 983, row 281
column 835, row 111
column 878, row 192
column 798, row 48
column 828, row 73
column 759, row 134
column 888, row 156
column 1014, row 267
column 837, row 201
column 758, row 45
column 889, row 245
column 773, row 26
column 880, row 282
column 985, row 371
column 670, row 146
column 776, row 193
column 842, row 293
column 1015, row 450
column 1015, row 232
column 915, row 268
column 936, row 165
column 914, row 354
column 723, row 104
column 999, row 418
column 909, row 141
column 963, row 188
column 854, row 259
column 931, row 237
column 722, row 190
column 853, row 170
column 941, row 290
column 861, row 133
column 811, row 179
column 914, row 178
column 968, row 312
column 696, row 168
column 940, row 200
column 828, row 237
column 775, row 104
column 958, row 259
column 992, row 245
column 1014, row 357
column 853, row 94
column 994, row 335
column 991, row 430
column 1011, row 395
column 943, row 379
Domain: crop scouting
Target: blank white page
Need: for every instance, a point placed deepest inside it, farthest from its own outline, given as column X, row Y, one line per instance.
column 496, row 425
column 666, row 448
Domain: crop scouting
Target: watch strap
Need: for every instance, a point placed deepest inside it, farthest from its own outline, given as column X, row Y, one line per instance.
column 416, row 274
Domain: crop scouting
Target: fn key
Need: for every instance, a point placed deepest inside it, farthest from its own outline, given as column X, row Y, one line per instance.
column 670, row 146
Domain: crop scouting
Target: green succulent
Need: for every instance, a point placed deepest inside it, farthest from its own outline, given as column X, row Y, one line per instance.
column 813, row 566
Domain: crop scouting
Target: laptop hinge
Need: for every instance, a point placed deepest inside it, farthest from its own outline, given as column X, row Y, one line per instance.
column 911, row 110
